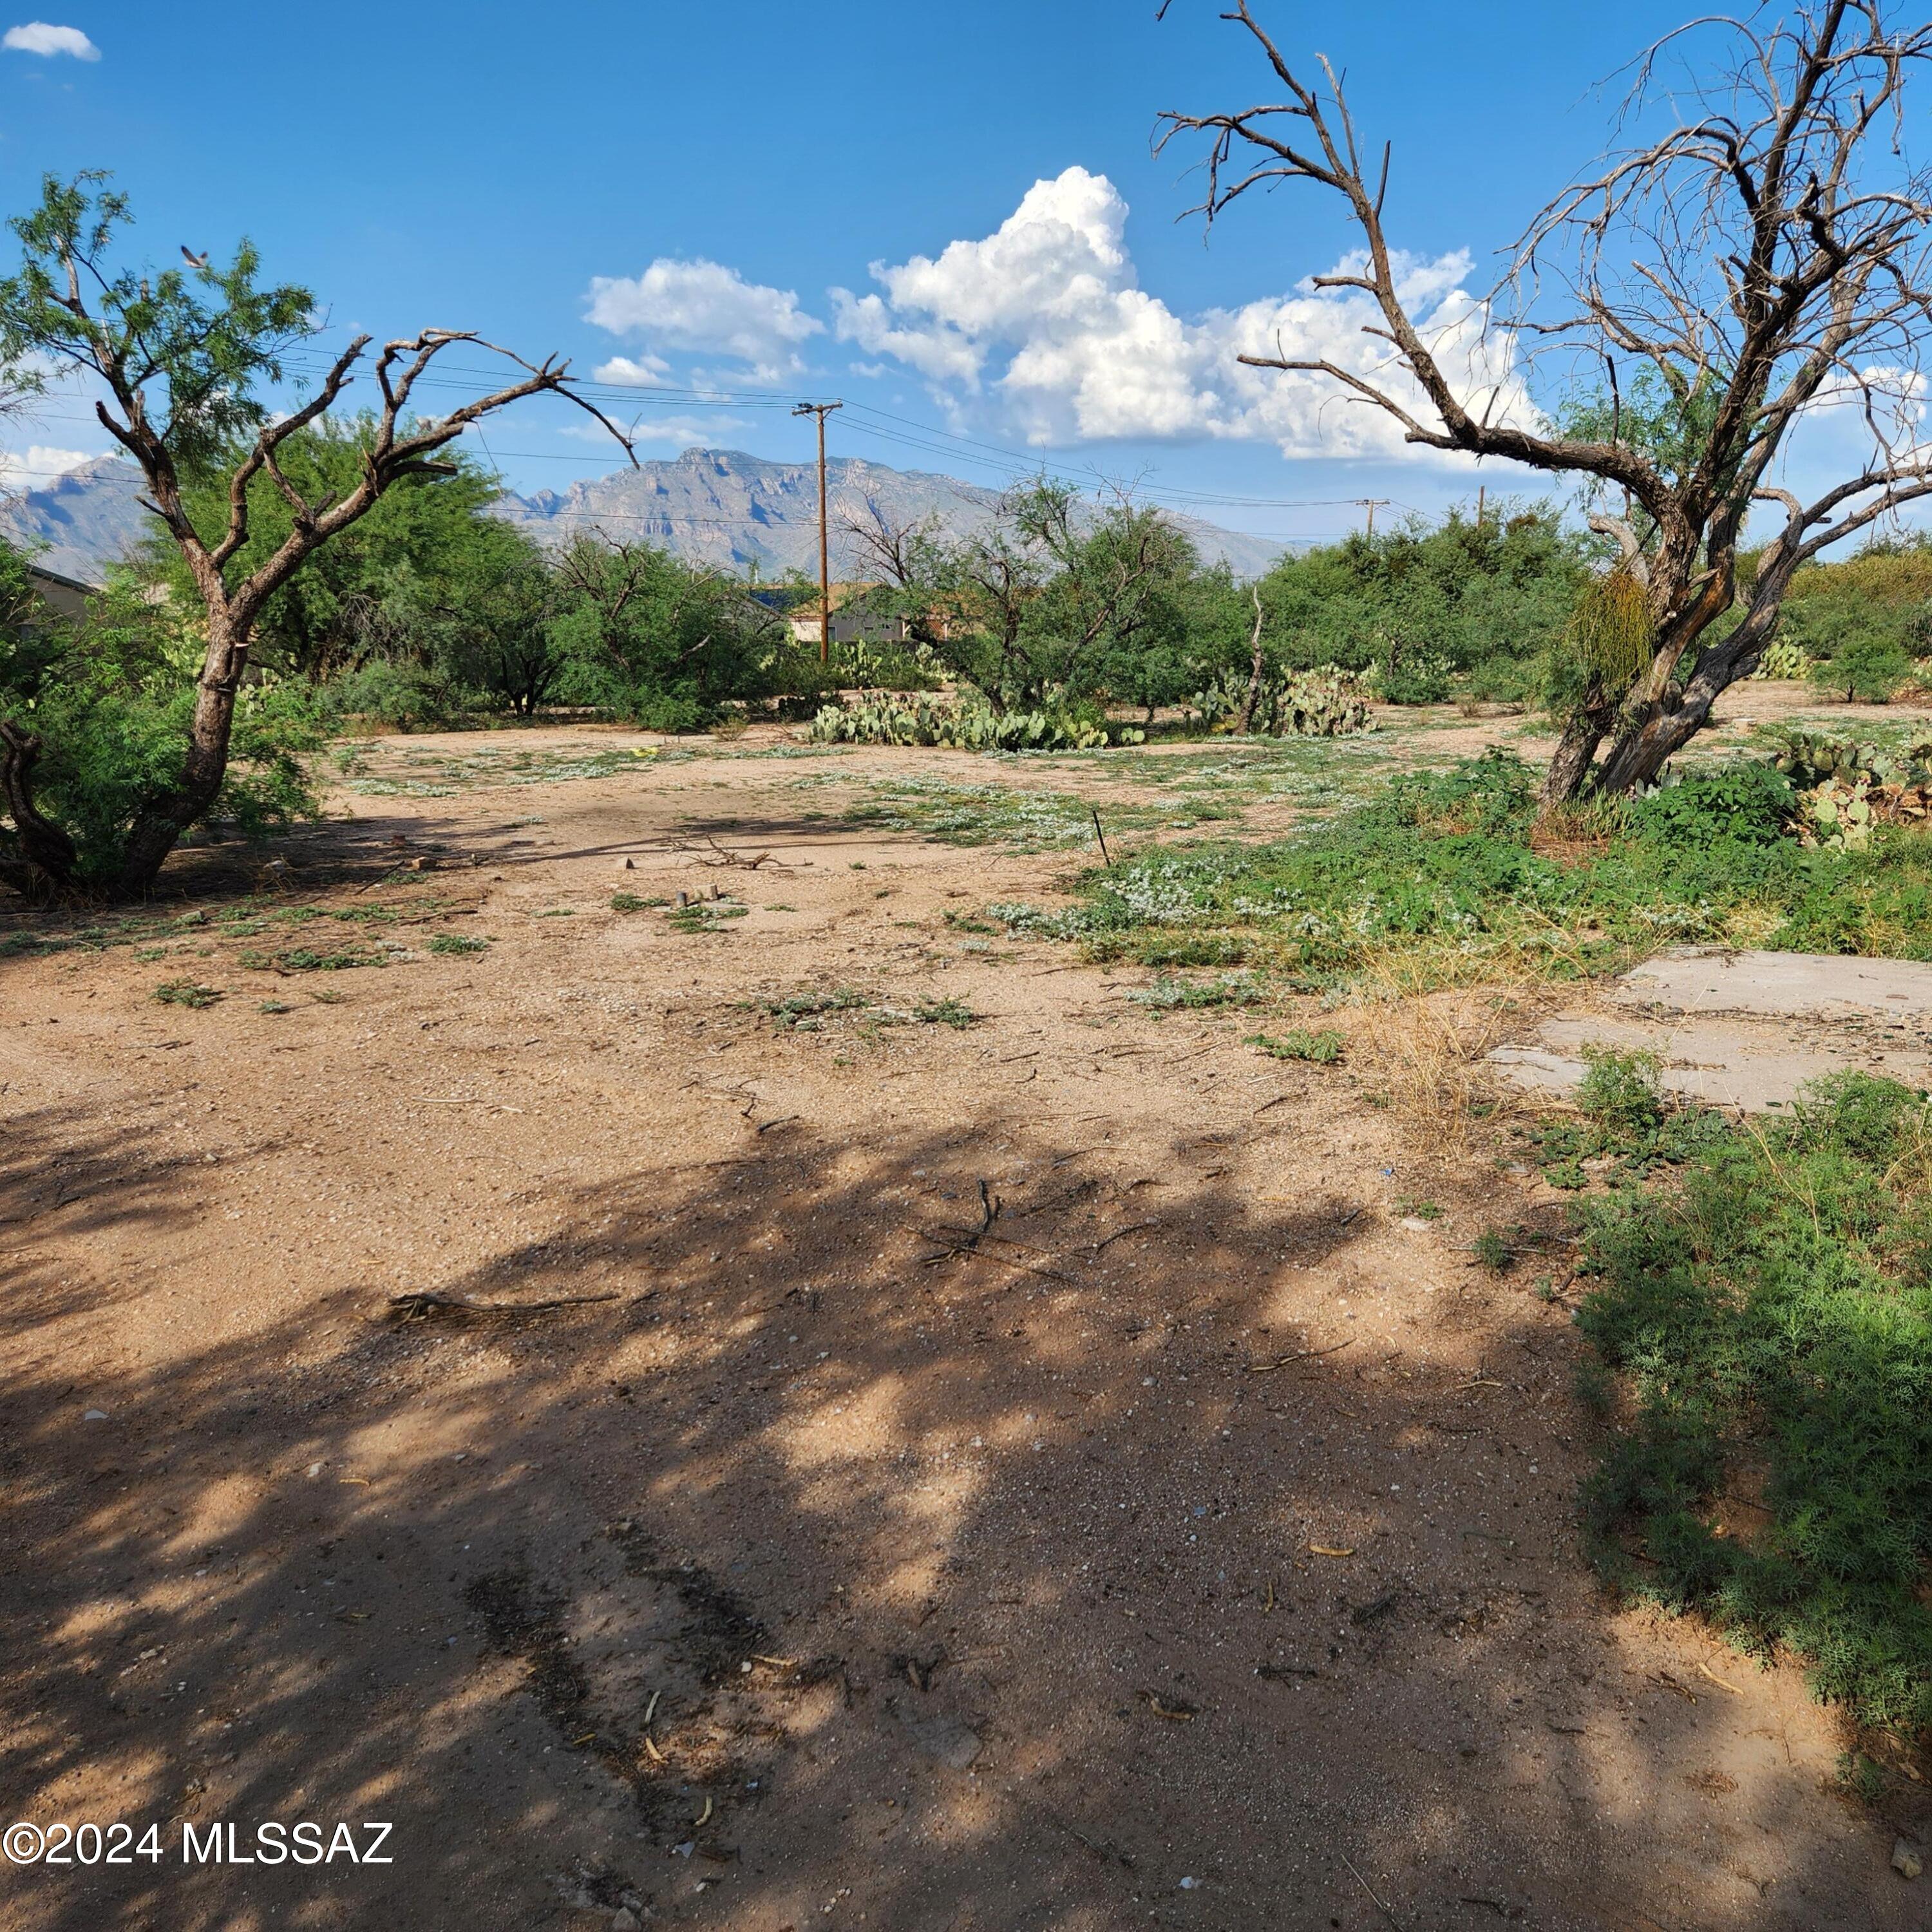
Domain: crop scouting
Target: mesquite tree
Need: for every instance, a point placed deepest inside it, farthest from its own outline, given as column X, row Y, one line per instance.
column 176, row 357
column 1763, row 260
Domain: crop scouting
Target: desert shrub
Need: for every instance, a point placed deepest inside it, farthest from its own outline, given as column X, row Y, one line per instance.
column 1503, row 681
column 405, row 695
column 1771, row 1315
column 1413, row 680
column 1866, row 666
column 1743, row 803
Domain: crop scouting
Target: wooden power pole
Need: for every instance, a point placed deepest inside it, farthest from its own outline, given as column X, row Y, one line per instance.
column 821, row 411
column 1372, row 505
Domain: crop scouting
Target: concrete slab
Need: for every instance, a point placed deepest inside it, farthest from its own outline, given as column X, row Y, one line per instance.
column 1710, row 979
column 1743, row 1030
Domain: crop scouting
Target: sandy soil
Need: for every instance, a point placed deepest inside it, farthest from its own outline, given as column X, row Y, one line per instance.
column 1194, row 1547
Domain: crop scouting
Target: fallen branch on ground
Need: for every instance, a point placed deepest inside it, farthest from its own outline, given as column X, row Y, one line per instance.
column 427, row 1305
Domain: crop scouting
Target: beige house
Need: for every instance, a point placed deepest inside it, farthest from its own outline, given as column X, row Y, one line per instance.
column 65, row 596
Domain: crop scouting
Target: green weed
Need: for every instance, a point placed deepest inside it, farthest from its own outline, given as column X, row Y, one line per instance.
column 1619, row 1092
column 1324, row 1049
column 1771, row 1317
column 803, row 1011
column 309, row 959
column 1492, row 1250
column 185, row 993
column 1441, row 877
column 1862, row 1779
column 704, row 915
column 452, row 944
column 630, row 902
column 1167, row 994
column 949, row 1012
column 1024, row 820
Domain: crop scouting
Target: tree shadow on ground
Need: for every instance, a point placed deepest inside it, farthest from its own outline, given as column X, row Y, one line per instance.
column 870, row 1553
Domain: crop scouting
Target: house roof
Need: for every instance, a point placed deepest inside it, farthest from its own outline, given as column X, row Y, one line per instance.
column 61, row 577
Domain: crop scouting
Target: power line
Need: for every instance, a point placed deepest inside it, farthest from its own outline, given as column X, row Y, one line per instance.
column 1015, row 462
column 956, row 447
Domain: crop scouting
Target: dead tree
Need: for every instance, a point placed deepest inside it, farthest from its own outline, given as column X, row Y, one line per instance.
column 1764, row 259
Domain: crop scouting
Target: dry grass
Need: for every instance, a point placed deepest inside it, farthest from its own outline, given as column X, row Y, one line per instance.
column 1426, row 1054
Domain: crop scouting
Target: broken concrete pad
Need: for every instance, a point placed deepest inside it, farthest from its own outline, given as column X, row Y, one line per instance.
column 1745, row 1030
column 1790, row 985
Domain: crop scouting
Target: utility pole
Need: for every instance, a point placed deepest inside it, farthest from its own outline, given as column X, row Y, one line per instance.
column 1372, row 505
column 1482, row 496
column 821, row 411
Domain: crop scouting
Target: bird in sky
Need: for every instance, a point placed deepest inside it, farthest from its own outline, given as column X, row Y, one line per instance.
column 193, row 260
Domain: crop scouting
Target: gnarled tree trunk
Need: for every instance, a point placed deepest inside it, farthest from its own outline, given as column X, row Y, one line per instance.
column 155, row 833
column 43, row 869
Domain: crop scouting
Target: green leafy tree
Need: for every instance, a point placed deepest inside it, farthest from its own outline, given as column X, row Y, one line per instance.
column 377, row 588
column 1047, row 602
column 645, row 635
column 494, row 629
column 1465, row 591
column 1863, row 660
column 183, row 358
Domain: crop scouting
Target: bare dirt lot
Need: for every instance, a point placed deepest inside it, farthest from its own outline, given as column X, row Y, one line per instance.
column 933, row 1443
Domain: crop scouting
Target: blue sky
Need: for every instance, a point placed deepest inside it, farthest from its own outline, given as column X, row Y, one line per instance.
column 678, row 194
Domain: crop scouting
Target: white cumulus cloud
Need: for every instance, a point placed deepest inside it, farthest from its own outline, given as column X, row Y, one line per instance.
column 703, row 305
column 38, row 465
column 37, row 37
column 682, row 430
column 1044, row 315
column 639, row 372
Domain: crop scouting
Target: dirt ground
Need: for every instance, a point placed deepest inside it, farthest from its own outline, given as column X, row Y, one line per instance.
column 1039, row 1464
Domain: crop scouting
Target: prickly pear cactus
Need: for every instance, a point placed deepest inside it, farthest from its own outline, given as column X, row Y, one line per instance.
column 1329, row 703
column 881, row 720
column 1808, row 758
column 1837, row 814
column 1784, row 661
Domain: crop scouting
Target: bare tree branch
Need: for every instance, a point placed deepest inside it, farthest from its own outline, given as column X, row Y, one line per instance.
column 1762, row 258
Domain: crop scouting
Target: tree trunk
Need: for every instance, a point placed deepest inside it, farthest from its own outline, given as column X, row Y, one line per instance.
column 1570, row 766
column 44, row 869
column 1649, row 738
column 1646, row 744
column 162, row 820
column 1255, row 671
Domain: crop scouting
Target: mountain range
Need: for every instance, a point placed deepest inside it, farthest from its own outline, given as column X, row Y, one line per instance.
column 720, row 507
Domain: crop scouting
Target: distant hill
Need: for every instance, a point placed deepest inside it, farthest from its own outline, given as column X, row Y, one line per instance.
column 725, row 508
column 715, row 506
column 86, row 520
